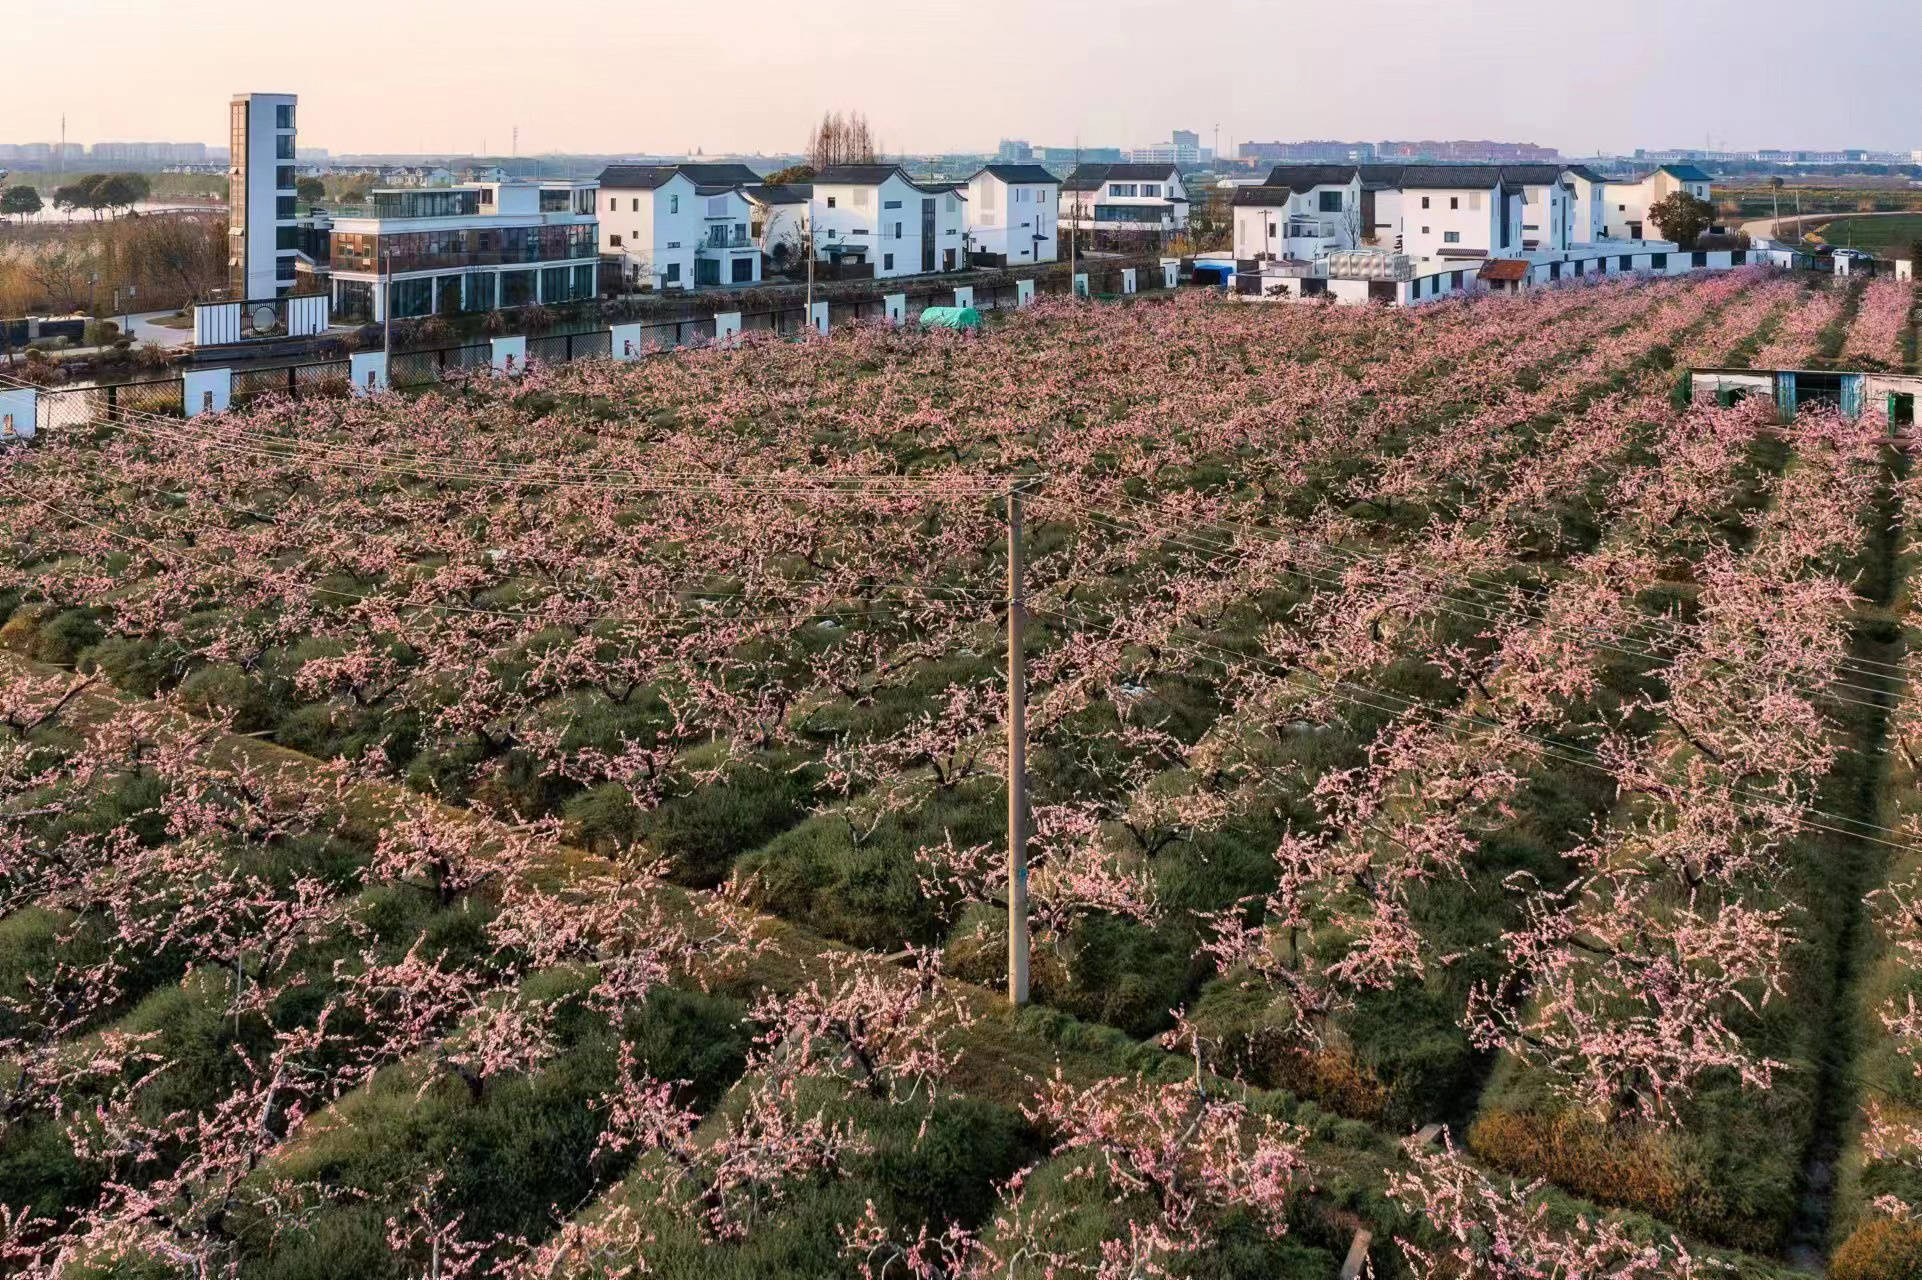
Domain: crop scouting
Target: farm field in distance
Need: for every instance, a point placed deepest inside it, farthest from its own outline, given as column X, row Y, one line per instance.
column 558, row 826
column 1886, row 237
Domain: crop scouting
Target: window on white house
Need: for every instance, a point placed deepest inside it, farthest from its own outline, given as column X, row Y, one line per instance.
column 1122, row 189
column 637, row 236
column 1424, row 202
column 615, row 241
column 1331, row 202
column 1454, row 202
column 891, row 204
column 897, row 231
column 1424, row 230
column 673, row 204
column 637, row 204
column 887, row 262
column 1451, row 237
column 611, row 204
column 830, row 202
column 673, row 271
column 1152, row 189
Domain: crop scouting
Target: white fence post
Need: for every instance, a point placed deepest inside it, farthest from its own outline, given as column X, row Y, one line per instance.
column 206, row 391
column 897, row 305
column 367, row 372
column 819, row 318
column 1904, row 269
column 964, row 295
column 509, row 355
column 1127, row 280
column 625, row 342
column 1081, row 284
column 1171, row 273
column 19, row 413
column 1023, row 292
column 727, row 327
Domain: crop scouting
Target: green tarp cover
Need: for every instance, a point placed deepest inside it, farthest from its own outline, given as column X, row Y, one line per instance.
column 950, row 318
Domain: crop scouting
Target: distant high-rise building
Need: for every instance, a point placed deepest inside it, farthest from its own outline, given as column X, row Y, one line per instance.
column 260, row 200
column 1014, row 151
column 1185, row 138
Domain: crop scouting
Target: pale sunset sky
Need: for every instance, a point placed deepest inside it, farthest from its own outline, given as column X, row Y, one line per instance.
column 938, row 75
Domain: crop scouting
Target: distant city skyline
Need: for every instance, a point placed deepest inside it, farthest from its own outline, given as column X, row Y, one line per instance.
column 594, row 77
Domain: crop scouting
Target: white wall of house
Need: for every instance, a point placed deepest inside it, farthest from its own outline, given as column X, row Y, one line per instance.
column 1590, row 201
column 726, row 254
column 1461, row 221
column 1301, row 225
column 654, row 231
column 1628, row 203
column 1019, row 220
column 885, row 220
column 1548, row 216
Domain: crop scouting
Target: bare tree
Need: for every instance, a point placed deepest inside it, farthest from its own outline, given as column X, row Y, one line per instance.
column 840, row 139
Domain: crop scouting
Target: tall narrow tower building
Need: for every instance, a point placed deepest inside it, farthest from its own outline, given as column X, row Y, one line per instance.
column 262, row 241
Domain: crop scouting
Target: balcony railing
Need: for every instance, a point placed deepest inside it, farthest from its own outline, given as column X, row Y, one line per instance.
column 726, row 242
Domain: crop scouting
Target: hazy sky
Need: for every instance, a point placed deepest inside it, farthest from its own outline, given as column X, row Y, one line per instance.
column 934, row 75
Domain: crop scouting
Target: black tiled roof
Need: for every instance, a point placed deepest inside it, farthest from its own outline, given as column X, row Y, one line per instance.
column 1306, row 177
column 1016, row 173
column 1087, row 177
column 784, row 193
column 646, row 177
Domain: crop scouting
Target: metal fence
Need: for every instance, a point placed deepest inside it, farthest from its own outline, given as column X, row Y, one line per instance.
column 75, row 406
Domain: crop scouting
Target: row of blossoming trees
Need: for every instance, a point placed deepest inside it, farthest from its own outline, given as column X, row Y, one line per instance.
column 1429, row 719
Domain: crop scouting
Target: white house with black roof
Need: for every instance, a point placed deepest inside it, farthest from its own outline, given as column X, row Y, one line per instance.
column 879, row 215
column 1301, row 213
column 780, row 220
column 1628, row 203
column 1013, row 215
column 1143, row 199
column 680, row 226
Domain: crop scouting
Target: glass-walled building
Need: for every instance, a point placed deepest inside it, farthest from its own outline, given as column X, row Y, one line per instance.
column 461, row 249
column 262, row 236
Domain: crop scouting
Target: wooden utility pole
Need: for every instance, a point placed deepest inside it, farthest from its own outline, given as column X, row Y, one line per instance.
column 1017, row 765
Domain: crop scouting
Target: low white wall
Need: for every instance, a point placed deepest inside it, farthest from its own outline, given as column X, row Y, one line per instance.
column 1170, row 273
column 206, row 391
column 626, row 341
column 897, row 306
column 367, row 372
column 964, row 295
column 19, row 413
column 1023, row 292
column 820, row 317
column 216, row 322
column 727, row 327
column 1081, row 284
column 1127, row 280
column 308, row 315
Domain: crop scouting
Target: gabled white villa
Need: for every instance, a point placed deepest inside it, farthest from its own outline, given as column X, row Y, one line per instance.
column 1303, row 212
column 1123, row 198
column 680, row 226
column 1013, row 212
column 878, row 214
column 1628, row 203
